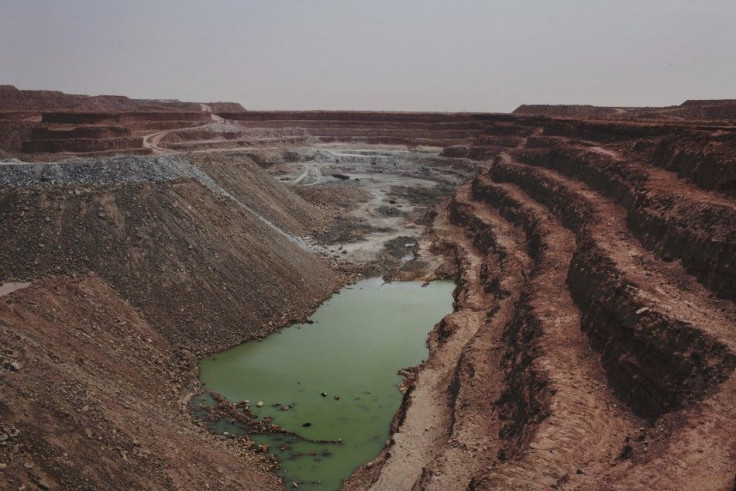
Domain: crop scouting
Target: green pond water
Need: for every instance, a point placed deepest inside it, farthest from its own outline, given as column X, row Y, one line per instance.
column 360, row 338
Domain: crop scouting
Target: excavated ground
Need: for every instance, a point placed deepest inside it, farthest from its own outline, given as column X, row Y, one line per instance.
column 119, row 274
column 592, row 343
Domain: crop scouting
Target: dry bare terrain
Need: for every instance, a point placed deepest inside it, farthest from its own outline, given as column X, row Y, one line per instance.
column 594, row 249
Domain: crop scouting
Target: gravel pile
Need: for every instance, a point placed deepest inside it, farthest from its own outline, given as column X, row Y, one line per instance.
column 103, row 172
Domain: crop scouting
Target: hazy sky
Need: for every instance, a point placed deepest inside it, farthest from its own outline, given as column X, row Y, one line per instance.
column 483, row 55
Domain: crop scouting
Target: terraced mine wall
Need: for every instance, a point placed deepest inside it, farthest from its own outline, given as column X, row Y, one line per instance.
column 706, row 110
column 480, row 133
column 62, row 133
column 75, row 132
column 81, row 145
column 672, row 225
column 600, row 283
column 564, row 110
column 593, row 335
column 13, row 133
column 20, row 116
column 604, row 131
column 233, row 136
column 707, row 160
column 77, row 139
column 701, row 153
column 658, row 380
column 524, row 401
column 94, row 118
column 430, row 129
column 363, row 116
column 692, row 110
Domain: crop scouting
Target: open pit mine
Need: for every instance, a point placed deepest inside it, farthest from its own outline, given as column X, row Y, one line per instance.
column 577, row 331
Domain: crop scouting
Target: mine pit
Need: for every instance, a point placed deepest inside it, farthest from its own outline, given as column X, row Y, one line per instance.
column 380, row 177
column 544, row 298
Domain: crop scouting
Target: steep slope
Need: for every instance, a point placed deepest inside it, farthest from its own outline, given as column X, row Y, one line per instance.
column 245, row 181
column 602, row 354
column 139, row 267
column 203, row 268
column 93, row 396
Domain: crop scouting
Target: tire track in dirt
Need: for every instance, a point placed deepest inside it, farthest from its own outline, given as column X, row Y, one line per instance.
column 586, row 421
column 676, row 291
column 479, row 381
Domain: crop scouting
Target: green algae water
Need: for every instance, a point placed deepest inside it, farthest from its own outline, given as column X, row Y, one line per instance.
column 335, row 379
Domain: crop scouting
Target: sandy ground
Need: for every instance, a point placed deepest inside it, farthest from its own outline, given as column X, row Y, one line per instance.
column 10, row 287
